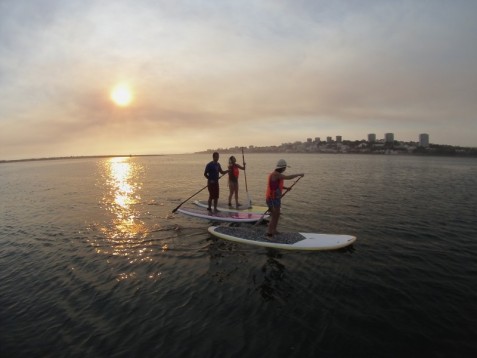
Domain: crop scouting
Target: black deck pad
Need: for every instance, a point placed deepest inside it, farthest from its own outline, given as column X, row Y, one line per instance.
column 259, row 234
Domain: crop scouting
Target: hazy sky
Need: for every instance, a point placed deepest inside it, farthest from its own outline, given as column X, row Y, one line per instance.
column 209, row 74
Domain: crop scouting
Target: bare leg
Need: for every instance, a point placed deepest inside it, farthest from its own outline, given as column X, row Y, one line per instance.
column 236, row 194
column 274, row 216
column 210, row 203
column 231, row 189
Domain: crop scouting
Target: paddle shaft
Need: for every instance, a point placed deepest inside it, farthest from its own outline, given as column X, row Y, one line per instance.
column 244, row 171
column 245, row 176
column 190, row 197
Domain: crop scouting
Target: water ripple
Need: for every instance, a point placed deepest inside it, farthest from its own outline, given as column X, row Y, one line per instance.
column 94, row 263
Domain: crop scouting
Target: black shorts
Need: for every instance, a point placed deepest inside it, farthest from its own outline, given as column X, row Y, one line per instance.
column 213, row 190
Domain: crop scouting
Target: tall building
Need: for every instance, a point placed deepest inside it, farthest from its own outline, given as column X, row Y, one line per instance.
column 389, row 137
column 423, row 140
column 338, row 139
column 329, row 140
column 371, row 138
column 317, row 140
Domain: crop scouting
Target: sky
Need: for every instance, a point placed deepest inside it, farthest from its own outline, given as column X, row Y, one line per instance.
column 219, row 74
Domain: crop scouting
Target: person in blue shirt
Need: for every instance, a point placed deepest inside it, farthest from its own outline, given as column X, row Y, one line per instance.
column 211, row 172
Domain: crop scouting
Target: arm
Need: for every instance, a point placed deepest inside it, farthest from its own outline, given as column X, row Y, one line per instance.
column 222, row 171
column 291, row 176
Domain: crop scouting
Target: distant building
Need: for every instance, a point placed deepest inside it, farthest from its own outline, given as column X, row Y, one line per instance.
column 371, row 138
column 317, row 140
column 389, row 137
column 329, row 140
column 338, row 139
column 309, row 140
column 423, row 140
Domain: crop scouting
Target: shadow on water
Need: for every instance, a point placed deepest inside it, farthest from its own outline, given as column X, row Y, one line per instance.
column 229, row 263
column 269, row 281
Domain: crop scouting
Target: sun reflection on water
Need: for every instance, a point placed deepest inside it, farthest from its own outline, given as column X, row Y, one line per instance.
column 127, row 232
column 123, row 231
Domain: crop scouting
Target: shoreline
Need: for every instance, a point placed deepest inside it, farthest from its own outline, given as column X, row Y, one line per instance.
column 231, row 150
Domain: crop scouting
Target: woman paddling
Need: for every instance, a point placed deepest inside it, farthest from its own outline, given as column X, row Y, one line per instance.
column 233, row 179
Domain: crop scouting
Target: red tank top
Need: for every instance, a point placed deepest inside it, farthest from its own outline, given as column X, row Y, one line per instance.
column 234, row 172
column 274, row 188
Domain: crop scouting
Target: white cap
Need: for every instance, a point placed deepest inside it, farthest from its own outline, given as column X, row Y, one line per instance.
column 282, row 164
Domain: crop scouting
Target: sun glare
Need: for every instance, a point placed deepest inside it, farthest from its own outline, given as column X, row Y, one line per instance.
column 121, row 95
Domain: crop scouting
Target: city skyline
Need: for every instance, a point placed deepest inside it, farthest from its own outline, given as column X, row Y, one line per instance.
column 369, row 135
column 338, row 144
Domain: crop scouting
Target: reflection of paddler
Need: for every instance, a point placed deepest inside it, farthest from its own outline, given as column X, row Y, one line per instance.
column 211, row 172
column 275, row 186
column 272, row 272
column 233, row 179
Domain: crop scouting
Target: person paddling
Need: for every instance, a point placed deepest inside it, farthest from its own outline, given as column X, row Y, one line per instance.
column 211, row 172
column 275, row 187
column 233, row 179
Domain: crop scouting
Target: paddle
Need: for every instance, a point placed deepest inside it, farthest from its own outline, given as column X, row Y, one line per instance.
column 173, row 211
column 286, row 191
column 245, row 176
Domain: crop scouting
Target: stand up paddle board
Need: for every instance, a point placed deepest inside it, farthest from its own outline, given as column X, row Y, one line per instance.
column 242, row 208
column 241, row 217
column 286, row 241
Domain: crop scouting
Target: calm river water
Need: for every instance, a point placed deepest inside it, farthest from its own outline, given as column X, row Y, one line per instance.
column 94, row 264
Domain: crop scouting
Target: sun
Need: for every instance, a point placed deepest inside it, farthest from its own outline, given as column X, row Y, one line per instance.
column 121, row 95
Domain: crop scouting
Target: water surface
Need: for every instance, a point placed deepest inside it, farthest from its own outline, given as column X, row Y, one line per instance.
column 94, row 263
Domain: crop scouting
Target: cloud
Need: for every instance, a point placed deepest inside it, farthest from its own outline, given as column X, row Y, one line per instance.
column 225, row 71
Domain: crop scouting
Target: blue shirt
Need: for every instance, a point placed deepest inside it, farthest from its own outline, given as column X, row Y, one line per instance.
column 212, row 171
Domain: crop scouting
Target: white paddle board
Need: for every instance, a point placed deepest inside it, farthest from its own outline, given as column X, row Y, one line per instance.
column 286, row 241
column 241, row 217
column 241, row 208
